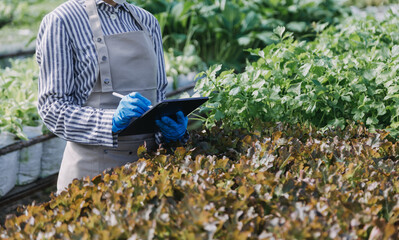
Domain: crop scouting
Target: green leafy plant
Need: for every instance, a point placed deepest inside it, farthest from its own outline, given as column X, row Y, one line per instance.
column 349, row 73
column 18, row 88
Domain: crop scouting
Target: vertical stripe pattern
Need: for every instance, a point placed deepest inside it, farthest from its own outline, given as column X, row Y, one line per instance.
column 67, row 57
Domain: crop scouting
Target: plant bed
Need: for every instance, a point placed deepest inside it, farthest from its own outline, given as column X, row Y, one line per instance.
column 284, row 182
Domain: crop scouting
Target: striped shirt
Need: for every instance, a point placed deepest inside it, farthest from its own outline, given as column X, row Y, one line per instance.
column 67, row 58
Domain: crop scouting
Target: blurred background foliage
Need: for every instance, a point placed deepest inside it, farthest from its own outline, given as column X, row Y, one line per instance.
column 220, row 30
column 367, row 3
column 27, row 12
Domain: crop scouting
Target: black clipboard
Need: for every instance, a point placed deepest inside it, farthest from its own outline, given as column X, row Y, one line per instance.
column 146, row 122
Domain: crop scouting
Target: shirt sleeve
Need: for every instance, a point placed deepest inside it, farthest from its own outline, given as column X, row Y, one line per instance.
column 58, row 103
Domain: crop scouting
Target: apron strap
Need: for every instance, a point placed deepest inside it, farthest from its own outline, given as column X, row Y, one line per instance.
column 99, row 40
column 135, row 17
column 102, row 51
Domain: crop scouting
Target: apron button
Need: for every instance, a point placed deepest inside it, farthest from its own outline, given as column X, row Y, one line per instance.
column 104, row 58
column 107, row 81
column 99, row 40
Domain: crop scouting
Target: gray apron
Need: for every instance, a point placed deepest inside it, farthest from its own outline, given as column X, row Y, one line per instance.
column 127, row 63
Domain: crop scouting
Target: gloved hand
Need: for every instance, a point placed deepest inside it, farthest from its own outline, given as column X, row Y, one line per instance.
column 173, row 130
column 131, row 105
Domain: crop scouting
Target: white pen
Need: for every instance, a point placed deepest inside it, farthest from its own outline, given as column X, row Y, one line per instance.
column 121, row 96
column 117, row 95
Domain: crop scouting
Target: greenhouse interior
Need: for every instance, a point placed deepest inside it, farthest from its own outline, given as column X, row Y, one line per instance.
column 266, row 119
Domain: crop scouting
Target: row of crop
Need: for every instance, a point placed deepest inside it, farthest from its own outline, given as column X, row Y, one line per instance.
column 348, row 74
column 284, row 182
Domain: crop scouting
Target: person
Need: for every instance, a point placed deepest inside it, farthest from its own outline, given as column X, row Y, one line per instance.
column 86, row 50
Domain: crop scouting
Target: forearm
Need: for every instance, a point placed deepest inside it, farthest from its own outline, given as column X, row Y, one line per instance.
column 77, row 124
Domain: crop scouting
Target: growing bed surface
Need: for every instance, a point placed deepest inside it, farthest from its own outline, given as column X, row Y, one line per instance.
column 284, row 182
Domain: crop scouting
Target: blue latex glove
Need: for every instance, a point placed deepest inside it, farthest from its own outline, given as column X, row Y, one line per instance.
column 173, row 130
column 131, row 106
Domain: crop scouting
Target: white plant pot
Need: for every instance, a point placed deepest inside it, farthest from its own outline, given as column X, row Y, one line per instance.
column 186, row 79
column 29, row 159
column 32, row 132
column 6, row 139
column 183, row 80
column 8, row 164
column 53, row 151
column 8, row 172
column 169, row 88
